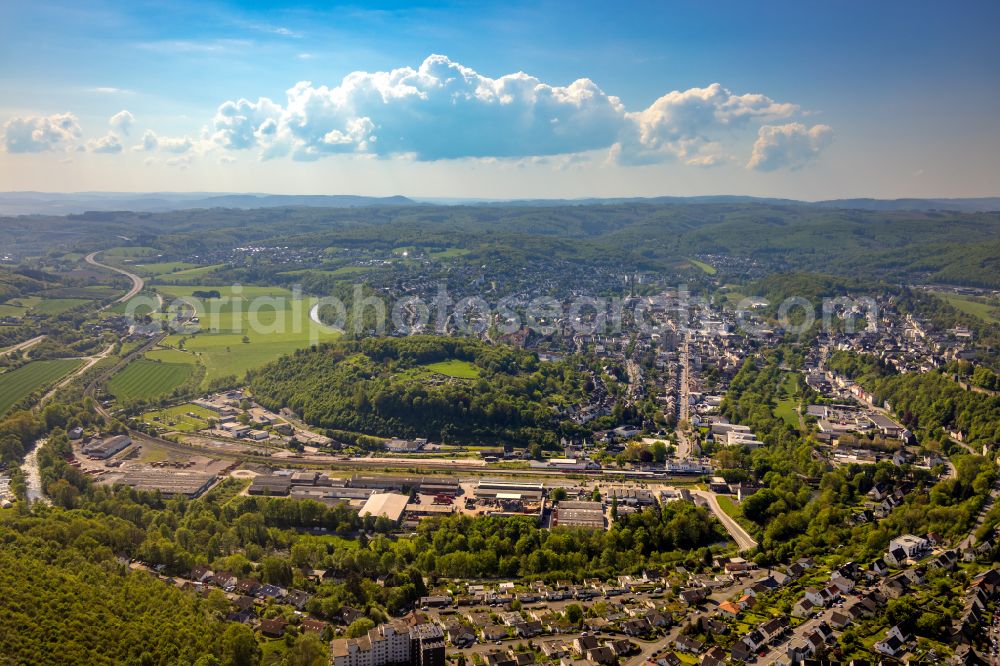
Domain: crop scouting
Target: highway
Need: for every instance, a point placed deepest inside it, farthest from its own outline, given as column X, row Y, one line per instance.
column 137, row 282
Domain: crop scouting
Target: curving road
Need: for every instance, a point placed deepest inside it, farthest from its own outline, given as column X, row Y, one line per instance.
column 137, row 282
column 740, row 535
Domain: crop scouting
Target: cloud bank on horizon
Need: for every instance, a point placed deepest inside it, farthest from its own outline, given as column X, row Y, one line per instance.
column 443, row 110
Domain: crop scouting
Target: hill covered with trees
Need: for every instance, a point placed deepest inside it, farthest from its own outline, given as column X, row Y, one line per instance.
column 439, row 388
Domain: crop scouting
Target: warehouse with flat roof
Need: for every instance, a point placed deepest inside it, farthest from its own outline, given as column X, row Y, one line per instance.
column 579, row 514
column 509, row 490
column 170, row 483
column 390, row 505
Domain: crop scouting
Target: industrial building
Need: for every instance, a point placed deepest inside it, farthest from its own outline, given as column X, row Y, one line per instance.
column 389, row 505
column 509, row 490
column 630, row 496
column 332, row 495
column 427, row 485
column 579, row 514
column 102, row 449
column 385, row 482
column 170, row 482
column 270, row 485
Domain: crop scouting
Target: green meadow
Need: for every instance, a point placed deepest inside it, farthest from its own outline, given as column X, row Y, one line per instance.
column 238, row 335
column 16, row 385
column 180, row 416
column 145, row 379
column 985, row 311
column 454, row 368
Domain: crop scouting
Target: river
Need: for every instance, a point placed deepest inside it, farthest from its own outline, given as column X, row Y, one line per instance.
column 32, row 477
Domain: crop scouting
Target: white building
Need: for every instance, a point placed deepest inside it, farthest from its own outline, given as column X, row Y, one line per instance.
column 385, row 644
column 913, row 546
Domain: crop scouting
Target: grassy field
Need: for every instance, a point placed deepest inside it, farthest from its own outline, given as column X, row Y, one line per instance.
column 705, row 268
column 54, row 306
column 985, row 311
column 145, row 379
column 168, row 355
column 11, row 310
column 136, row 251
column 786, row 407
column 785, row 410
column 189, row 273
column 181, row 418
column 450, row 253
column 46, row 306
column 728, row 507
column 453, row 368
column 275, row 325
column 162, row 268
column 18, row 384
column 140, row 309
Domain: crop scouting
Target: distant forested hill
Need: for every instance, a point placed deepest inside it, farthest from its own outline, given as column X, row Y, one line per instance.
column 902, row 246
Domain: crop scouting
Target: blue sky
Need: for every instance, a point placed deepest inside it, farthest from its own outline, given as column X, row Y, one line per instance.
column 773, row 98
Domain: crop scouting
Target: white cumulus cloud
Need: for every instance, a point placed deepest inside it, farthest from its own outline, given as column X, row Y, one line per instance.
column 122, row 121
column 108, row 143
column 36, row 134
column 790, row 146
column 680, row 123
column 151, row 142
column 444, row 110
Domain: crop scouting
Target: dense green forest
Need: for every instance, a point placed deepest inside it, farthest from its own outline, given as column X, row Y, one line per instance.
column 389, row 387
column 932, row 403
column 68, row 600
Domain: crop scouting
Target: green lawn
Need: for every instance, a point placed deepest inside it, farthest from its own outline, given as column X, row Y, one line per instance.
column 705, row 268
column 454, row 368
column 180, row 416
column 269, row 317
column 145, row 379
column 785, row 410
column 985, row 311
column 728, row 506
column 18, row 384
column 786, row 407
